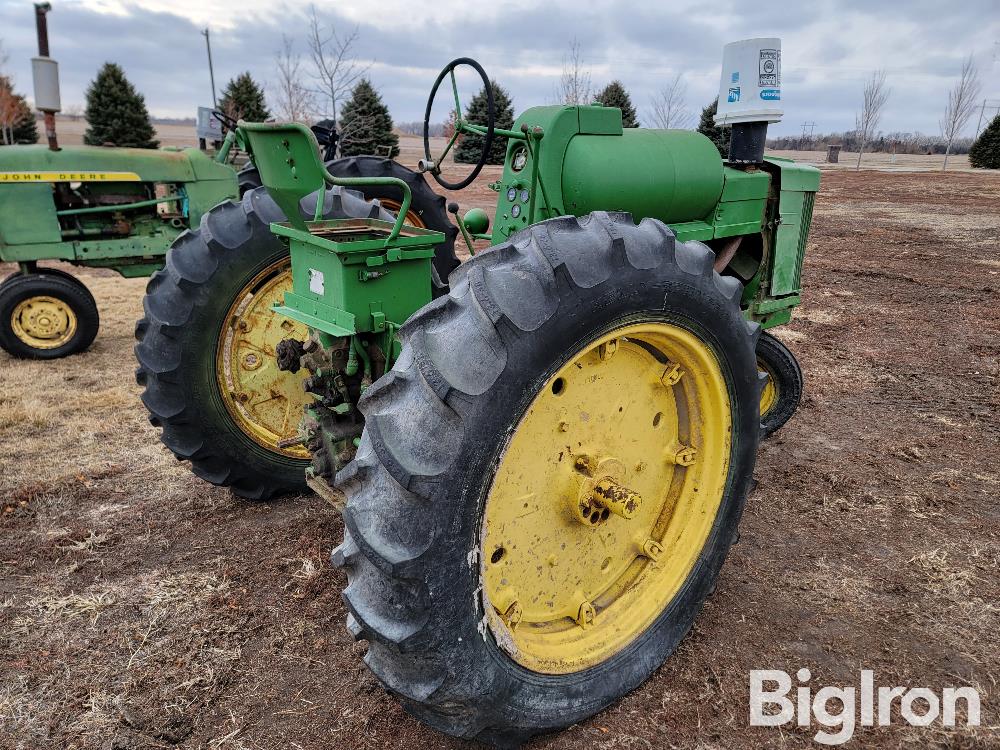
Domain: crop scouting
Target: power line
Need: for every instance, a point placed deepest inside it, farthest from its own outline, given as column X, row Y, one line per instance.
column 809, row 125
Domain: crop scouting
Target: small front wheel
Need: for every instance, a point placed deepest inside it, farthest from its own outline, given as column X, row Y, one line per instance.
column 46, row 316
column 783, row 387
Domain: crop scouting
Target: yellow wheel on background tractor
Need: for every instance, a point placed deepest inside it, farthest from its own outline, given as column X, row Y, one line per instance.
column 46, row 314
column 43, row 322
column 551, row 477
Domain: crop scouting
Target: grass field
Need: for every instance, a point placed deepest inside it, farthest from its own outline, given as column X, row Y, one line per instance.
column 142, row 608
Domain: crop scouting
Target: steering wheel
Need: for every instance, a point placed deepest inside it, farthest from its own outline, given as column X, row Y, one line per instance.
column 228, row 123
column 428, row 163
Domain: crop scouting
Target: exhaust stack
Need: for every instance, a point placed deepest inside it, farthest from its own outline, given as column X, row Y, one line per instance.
column 45, row 76
column 750, row 96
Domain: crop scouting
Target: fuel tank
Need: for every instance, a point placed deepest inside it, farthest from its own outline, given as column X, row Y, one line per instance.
column 671, row 175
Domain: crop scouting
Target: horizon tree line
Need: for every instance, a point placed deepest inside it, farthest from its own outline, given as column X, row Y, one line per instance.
column 333, row 83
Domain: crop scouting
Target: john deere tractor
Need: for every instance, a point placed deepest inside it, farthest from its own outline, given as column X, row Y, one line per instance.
column 541, row 468
column 117, row 208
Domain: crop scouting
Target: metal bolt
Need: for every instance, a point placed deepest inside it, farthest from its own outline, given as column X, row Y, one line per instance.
column 652, row 549
column 683, row 456
column 513, row 615
column 672, row 375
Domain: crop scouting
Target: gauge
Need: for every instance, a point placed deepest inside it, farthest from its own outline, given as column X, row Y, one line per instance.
column 525, row 196
column 512, row 194
column 519, row 160
column 515, row 211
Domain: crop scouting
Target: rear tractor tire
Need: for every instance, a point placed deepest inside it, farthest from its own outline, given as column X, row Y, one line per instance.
column 783, row 386
column 550, row 477
column 206, row 346
column 46, row 315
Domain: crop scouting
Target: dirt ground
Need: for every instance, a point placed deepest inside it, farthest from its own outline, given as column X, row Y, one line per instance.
column 142, row 608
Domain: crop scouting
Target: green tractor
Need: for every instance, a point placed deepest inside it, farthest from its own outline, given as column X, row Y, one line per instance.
column 541, row 468
column 99, row 207
column 118, row 208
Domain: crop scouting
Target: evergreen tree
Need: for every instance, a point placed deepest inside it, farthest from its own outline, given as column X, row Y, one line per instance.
column 366, row 125
column 243, row 99
column 17, row 121
column 615, row 95
column 470, row 147
column 985, row 152
column 116, row 113
column 719, row 135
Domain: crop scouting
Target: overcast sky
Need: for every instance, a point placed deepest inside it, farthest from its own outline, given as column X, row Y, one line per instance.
column 829, row 48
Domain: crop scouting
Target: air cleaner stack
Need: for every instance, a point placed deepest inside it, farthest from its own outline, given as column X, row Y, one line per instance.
column 750, row 95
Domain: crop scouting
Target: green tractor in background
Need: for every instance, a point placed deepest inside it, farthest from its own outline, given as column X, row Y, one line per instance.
column 101, row 207
column 541, row 468
column 118, row 208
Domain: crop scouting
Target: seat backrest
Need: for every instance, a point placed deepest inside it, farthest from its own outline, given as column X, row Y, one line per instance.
column 287, row 157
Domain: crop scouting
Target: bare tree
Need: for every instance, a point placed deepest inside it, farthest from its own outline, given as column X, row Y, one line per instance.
column 961, row 105
column 669, row 107
column 292, row 99
column 336, row 69
column 866, row 122
column 574, row 84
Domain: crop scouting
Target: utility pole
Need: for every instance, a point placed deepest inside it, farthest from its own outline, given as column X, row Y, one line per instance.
column 45, row 74
column 211, row 71
column 809, row 125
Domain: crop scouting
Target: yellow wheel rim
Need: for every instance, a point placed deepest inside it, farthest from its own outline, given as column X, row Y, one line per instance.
column 769, row 393
column 604, row 497
column 43, row 322
column 412, row 217
column 264, row 401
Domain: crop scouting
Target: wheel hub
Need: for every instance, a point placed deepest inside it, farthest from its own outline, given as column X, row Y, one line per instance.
column 43, row 322
column 604, row 497
column 265, row 402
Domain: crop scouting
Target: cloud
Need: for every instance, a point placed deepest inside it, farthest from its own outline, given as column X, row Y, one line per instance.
column 829, row 48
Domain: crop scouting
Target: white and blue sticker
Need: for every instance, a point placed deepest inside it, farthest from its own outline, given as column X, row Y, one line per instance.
column 770, row 95
column 734, row 94
column 770, row 69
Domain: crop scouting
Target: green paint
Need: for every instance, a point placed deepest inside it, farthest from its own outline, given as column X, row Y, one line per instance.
column 33, row 228
column 355, row 277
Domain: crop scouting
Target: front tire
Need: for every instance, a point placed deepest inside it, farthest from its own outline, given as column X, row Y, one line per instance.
column 783, row 386
column 454, row 445
column 46, row 315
